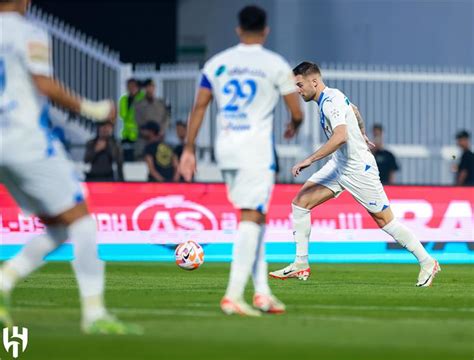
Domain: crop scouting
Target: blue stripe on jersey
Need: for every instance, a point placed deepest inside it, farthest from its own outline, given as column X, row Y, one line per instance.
column 44, row 125
column 321, row 103
column 320, row 98
column 273, row 165
column 205, row 83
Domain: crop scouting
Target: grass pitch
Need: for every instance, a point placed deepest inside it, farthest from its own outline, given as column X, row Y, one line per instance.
column 342, row 312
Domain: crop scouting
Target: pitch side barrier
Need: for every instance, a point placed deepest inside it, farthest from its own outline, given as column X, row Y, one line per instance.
column 144, row 222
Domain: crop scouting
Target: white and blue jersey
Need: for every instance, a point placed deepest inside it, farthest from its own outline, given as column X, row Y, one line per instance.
column 334, row 110
column 246, row 81
column 352, row 167
column 24, row 50
column 33, row 165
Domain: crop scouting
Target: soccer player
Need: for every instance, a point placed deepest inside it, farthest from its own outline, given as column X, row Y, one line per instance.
column 352, row 168
column 246, row 80
column 36, row 172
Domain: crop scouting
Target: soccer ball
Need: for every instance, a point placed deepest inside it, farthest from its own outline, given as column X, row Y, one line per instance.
column 189, row 255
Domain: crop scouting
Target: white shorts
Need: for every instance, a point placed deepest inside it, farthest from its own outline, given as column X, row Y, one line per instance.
column 364, row 186
column 45, row 187
column 249, row 188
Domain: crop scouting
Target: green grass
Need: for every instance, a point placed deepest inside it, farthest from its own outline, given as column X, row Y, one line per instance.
column 341, row 312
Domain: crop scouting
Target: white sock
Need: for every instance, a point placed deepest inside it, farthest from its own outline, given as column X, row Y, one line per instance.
column 259, row 269
column 405, row 238
column 243, row 258
column 31, row 257
column 89, row 269
column 301, row 232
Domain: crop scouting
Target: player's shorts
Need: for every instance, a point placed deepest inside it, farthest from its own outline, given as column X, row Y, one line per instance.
column 45, row 187
column 249, row 188
column 364, row 186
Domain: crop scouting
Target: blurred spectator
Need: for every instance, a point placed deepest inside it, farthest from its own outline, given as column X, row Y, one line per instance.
column 161, row 161
column 181, row 134
column 104, row 153
column 181, row 131
column 152, row 108
column 386, row 161
column 127, row 104
column 465, row 171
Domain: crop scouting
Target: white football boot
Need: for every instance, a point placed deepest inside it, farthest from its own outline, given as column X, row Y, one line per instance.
column 239, row 307
column 295, row 270
column 427, row 273
column 268, row 304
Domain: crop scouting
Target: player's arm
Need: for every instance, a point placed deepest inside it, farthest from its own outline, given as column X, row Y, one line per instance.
column 361, row 123
column 292, row 101
column 359, row 118
column 57, row 93
column 36, row 52
column 187, row 164
column 338, row 138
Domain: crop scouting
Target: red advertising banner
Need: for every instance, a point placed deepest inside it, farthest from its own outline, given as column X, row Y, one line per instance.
column 169, row 213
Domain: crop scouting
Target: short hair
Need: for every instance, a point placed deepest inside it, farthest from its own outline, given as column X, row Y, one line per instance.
column 148, row 82
column 132, row 81
column 377, row 127
column 152, row 126
column 463, row 134
column 105, row 123
column 252, row 18
column 306, row 68
column 181, row 123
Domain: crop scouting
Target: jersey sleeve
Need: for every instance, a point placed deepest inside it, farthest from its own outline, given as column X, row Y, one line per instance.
column 285, row 79
column 335, row 110
column 37, row 51
column 206, row 77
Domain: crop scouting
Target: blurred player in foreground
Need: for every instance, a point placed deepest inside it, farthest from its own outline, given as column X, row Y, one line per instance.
column 352, row 168
column 36, row 172
column 246, row 81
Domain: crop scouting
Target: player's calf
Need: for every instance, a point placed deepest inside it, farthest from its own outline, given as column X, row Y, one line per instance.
column 5, row 319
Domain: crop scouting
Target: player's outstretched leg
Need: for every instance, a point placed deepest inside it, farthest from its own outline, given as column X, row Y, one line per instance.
column 243, row 258
column 263, row 299
column 30, row 258
column 89, row 271
column 310, row 195
column 429, row 267
column 299, row 269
